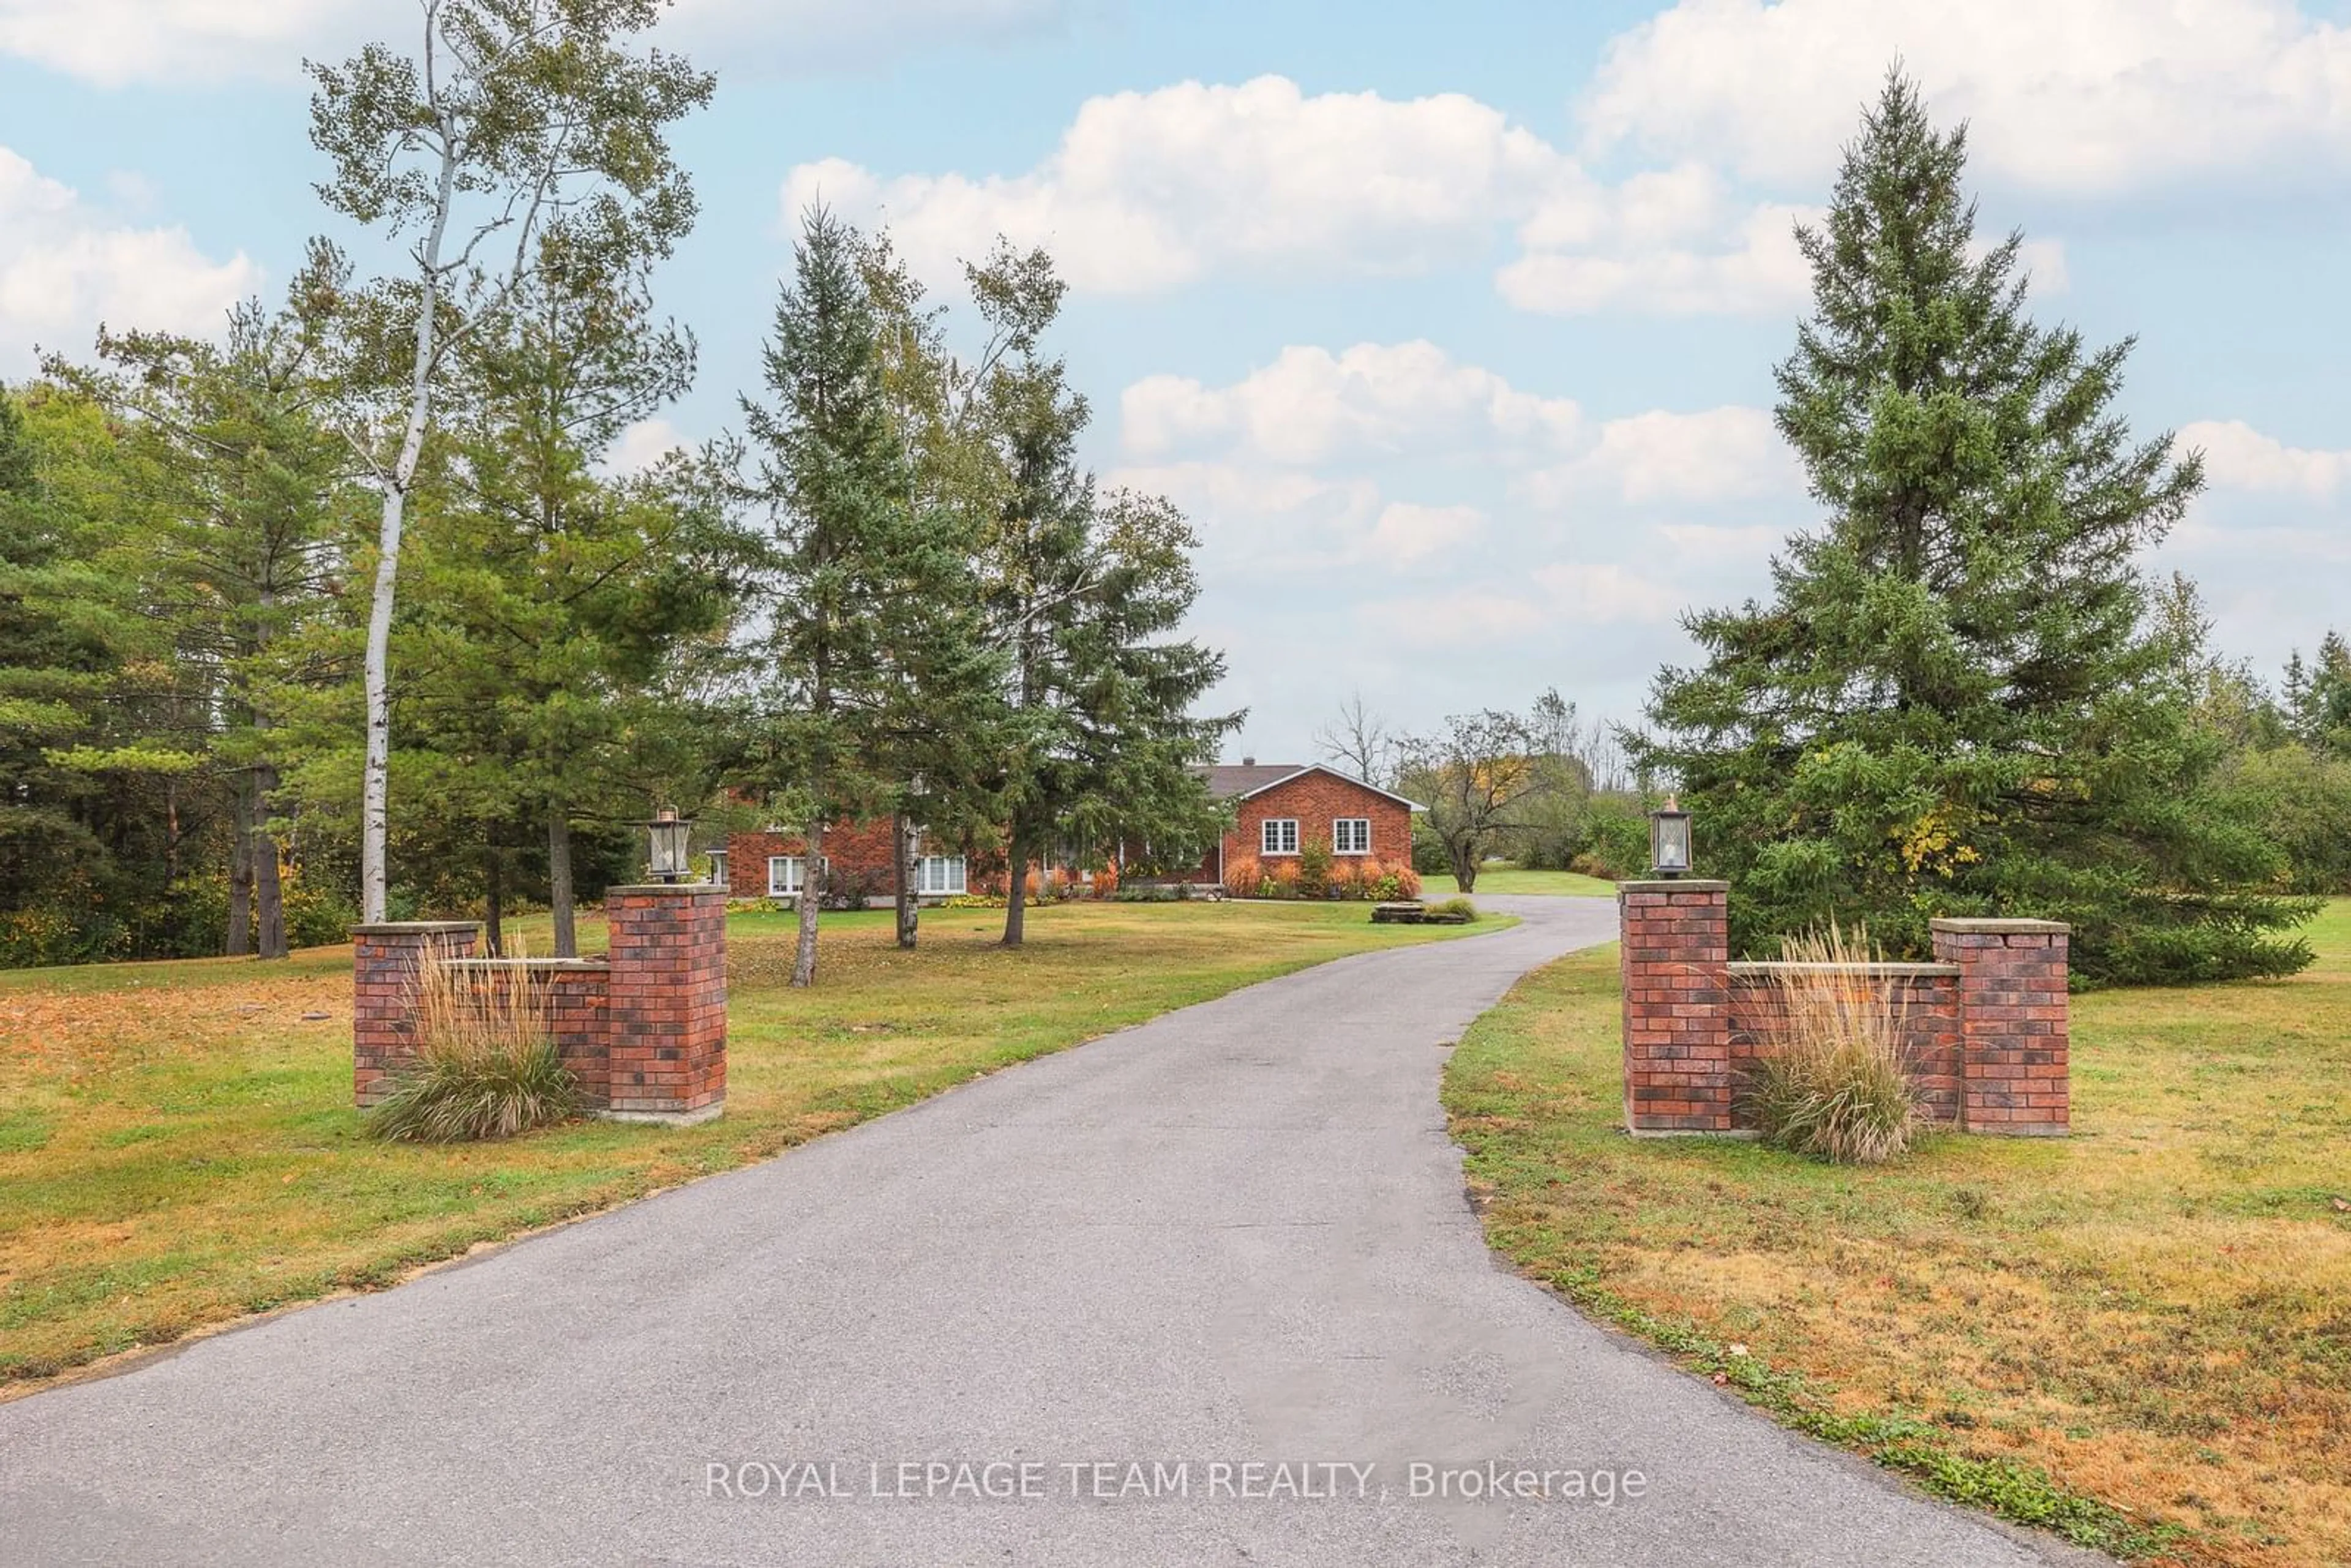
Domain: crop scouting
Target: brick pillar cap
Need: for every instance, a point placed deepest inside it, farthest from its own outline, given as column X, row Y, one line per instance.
column 1674, row 884
column 675, row 889
column 2002, row 928
column 419, row 928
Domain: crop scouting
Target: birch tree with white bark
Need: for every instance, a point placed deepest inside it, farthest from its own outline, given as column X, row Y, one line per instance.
column 512, row 119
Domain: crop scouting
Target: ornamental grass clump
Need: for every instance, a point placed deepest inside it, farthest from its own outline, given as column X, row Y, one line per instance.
column 485, row 1064
column 1837, row 1087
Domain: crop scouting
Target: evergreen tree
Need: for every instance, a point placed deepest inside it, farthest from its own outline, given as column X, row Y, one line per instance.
column 1956, row 704
column 237, row 484
column 1085, row 591
column 866, row 588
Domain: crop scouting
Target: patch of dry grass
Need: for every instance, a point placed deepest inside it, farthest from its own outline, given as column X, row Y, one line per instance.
column 2155, row 1313
column 178, row 1145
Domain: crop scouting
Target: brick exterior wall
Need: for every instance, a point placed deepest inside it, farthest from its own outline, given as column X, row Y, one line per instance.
column 1315, row 798
column 383, row 969
column 1929, row 998
column 643, row 1029
column 668, row 1007
column 2012, row 1023
column 857, row 849
column 1676, row 946
column 1985, row 1024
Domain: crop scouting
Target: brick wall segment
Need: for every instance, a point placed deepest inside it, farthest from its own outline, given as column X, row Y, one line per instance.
column 384, row 960
column 2015, row 1023
column 1676, row 952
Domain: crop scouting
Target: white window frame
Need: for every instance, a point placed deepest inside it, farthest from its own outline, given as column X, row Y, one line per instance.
column 793, row 877
column 1363, row 826
column 1272, row 843
column 941, row 876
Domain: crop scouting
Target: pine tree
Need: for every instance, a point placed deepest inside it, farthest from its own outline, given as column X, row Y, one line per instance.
column 1956, row 704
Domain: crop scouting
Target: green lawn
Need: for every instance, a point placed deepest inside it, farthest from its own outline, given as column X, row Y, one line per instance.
column 2140, row 1336
column 178, row 1146
column 1502, row 878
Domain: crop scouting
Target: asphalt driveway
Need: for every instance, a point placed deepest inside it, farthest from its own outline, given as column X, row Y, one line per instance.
column 1204, row 1291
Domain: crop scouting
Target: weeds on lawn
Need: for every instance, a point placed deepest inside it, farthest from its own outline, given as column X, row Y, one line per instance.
column 485, row 1060
column 1837, row 1088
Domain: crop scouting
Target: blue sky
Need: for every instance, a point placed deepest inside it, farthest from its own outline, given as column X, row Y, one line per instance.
column 1452, row 328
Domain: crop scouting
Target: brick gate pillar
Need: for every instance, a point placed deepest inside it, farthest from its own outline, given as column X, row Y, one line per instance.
column 2012, row 1024
column 384, row 959
column 1677, row 951
column 666, row 1016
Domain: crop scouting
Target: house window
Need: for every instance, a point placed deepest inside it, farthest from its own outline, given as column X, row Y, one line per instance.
column 1278, row 836
column 939, row 875
column 783, row 876
column 1351, row 835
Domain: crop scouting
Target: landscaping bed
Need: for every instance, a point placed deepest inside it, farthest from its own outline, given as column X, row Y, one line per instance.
column 178, row 1146
column 2139, row 1335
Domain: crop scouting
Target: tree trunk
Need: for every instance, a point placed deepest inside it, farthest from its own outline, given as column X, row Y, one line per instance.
column 239, row 939
column 902, row 834
column 269, row 893
column 811, row 890
column 375, row 777
column 1016, row 891
column 1464, row 856
column 558, row 880
column 493, row 899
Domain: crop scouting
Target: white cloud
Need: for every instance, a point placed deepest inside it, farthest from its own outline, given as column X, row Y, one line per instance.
column 1744, row 264
column 1604, row 592
column 1310, row 405
column 2086, row 96
column 2239, row 457
column 1406, row 532
column 115, row 42
column 65, row 268
column 1721, row 455
column 1151, row 191
column 641, row 445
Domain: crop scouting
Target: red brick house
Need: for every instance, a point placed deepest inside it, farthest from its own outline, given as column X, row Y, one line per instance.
column 775, row 862
column 1278, row 808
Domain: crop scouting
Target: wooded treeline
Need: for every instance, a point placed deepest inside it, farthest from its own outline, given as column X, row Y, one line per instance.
column 369, row 560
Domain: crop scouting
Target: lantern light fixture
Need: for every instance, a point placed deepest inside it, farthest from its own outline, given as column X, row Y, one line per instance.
column 668, row 832
column 1669, row 839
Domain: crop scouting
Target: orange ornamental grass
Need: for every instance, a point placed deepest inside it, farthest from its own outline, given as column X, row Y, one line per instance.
column 1241, row 876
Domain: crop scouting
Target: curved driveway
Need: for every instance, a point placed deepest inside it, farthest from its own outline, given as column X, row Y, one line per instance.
column 1233, row 1237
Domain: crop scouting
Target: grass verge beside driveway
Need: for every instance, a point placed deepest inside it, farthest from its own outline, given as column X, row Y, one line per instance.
column 2139, row 1336
column 178, row 1146
column 1508, row 879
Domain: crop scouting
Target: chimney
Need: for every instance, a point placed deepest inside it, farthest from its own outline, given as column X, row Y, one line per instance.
column 1248, row 761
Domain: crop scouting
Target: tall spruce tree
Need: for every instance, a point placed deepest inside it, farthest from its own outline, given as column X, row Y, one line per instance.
column 869, row 591
column 1956, row 704
column 1085, row 591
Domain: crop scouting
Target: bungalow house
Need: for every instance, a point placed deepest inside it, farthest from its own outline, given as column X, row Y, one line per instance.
column 1278, row 808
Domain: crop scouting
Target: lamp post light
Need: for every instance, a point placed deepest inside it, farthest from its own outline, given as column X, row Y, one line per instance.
column 668, row 832
column 1669, row 839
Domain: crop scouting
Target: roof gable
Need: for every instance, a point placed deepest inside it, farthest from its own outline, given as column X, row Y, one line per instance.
column 1239, row 783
